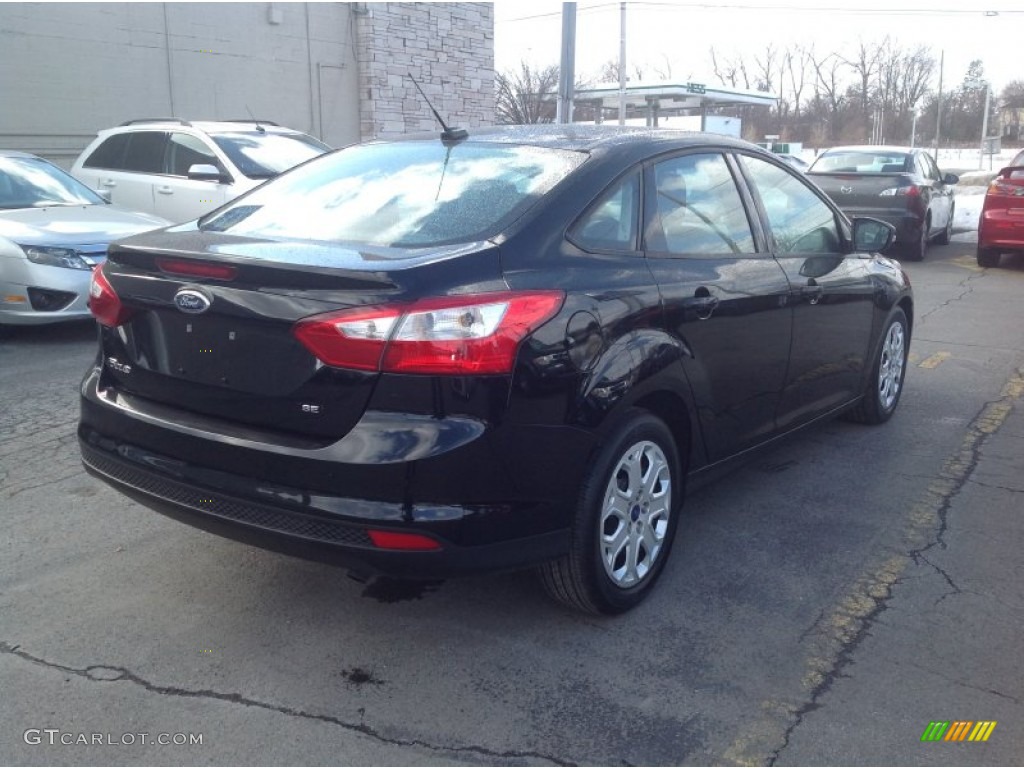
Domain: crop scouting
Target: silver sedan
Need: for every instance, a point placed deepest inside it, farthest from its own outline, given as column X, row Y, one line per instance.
column 53, row 231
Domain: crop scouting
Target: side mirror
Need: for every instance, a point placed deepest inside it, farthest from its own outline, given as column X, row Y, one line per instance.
column 950, row 178
column 872, row 235
column 104, row 193
column 204, row 172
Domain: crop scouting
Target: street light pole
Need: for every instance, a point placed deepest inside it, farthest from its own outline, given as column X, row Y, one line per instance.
column 567, row 73
column 622, row 63
column 938, row 107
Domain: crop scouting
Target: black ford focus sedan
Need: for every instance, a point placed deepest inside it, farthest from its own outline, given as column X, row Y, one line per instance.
column 426, row 357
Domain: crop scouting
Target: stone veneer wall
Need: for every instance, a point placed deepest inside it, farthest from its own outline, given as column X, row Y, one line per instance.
column 448, row 48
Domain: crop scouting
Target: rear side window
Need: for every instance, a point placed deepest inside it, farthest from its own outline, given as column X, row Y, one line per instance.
column 145, row 152
column 405, row 194
column 612, row 223
column 800, row 220
column 109, row 154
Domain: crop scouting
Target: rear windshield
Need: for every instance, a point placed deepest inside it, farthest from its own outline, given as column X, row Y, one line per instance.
column 402, row 194
column 861, row 162
column 263, row 155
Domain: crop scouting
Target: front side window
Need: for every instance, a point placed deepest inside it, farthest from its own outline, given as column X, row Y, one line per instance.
column 403, row 194
column 800, row 220
column 697, row 209
column 612, row 223
column 184, row 151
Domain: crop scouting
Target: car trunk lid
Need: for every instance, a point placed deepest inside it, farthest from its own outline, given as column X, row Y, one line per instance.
column 211, row 326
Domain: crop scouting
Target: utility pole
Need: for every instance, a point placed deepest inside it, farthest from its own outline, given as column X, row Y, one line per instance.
column 567, row 71
column 622, row 63
column 984, row 127
column 938, row 107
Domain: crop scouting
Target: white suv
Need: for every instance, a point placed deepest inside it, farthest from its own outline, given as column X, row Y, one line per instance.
column 180, row 170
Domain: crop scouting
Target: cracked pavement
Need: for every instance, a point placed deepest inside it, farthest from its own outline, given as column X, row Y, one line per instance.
column 823, row 603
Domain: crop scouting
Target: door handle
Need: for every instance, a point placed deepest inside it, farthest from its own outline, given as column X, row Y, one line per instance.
column 812, row 292
column 702, row 303
column 165, row 190
column 109, row 183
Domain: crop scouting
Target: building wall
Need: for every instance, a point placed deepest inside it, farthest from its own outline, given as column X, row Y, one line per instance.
column 70, row 69
column 447, row 47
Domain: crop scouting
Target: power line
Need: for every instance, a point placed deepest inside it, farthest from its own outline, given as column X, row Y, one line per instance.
column 670, row 5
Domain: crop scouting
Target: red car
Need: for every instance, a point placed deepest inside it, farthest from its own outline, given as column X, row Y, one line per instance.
column 1001, row 227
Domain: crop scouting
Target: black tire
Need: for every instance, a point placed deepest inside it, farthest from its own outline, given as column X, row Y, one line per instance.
column 581, row 579
column 988, row 257
column 916, row 250
column 885, row 385
column 947, row 234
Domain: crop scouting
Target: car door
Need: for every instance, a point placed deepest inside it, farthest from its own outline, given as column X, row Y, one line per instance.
column 723, row 295
column 942, row 193
column 179, row 198
column 130, row 179
column 832, row 293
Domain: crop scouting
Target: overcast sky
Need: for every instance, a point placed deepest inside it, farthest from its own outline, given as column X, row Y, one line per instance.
column 990, row 30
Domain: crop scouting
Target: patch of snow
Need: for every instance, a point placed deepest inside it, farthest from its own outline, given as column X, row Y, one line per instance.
column 969, row 200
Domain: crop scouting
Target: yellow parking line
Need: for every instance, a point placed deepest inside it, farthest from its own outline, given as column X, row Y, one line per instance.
column 934, row 361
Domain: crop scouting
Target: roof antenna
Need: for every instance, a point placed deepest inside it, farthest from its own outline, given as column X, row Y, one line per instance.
column 448, row 134
column 259, row 127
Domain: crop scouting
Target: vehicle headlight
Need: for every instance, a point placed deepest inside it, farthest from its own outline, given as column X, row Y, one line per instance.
column 57, row 257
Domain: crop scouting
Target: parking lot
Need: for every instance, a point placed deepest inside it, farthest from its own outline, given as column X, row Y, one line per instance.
column 823, row 604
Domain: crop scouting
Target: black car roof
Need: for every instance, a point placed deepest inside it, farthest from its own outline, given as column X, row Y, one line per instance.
column 585, row 137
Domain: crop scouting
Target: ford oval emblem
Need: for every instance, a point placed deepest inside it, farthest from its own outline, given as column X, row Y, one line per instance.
column 191, row 302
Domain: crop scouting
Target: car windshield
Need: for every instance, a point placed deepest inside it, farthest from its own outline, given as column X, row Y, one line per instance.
column 31, row 182
column 404, row 194
column 860, row 161
column 264, row 155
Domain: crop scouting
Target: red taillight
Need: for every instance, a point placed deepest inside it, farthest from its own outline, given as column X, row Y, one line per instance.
column 104, row 302
column 910, row 190
column 405, row 541
column 197, row 269
column 458, row 335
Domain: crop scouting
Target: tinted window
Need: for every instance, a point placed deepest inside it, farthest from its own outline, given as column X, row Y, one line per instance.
column 145, row 152
column 697, row 208
column 109, row 154
column 612, row 223
column 31, row 182
column 800, row 220
column 263, row 155
column 184, row 151
column 408, row 193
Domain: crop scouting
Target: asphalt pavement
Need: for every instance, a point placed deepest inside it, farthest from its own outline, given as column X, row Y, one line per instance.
column 824, row 604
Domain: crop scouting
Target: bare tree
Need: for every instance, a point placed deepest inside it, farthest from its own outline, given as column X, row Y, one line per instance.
column 865, row 63
column 731, row 72
column 526, row 95
column 795, row 63
column 1011, row 104
column 609, row 72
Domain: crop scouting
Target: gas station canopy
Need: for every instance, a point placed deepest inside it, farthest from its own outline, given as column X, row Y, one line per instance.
column 667, row 97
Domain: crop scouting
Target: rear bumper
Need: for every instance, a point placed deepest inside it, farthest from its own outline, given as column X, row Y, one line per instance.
column 999, row 230
column 908, row 225
column 296, row 523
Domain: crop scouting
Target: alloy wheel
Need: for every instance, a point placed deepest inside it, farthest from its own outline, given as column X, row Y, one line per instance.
column 635, row 514
column 890, row 370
